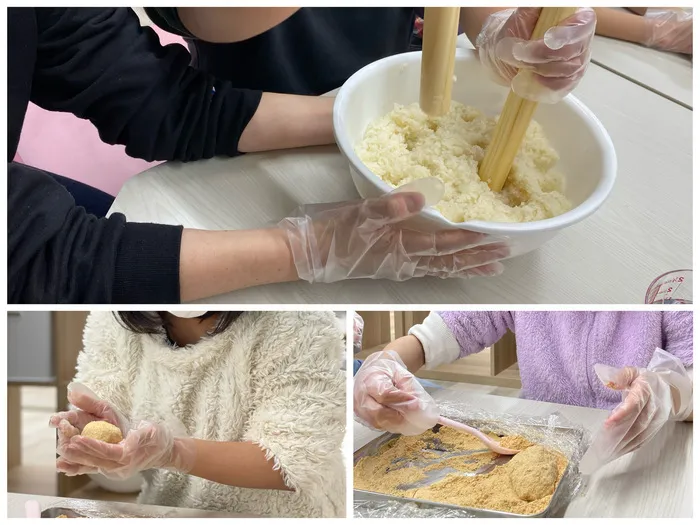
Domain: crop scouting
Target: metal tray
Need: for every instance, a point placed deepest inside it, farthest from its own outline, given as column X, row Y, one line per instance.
column 55, row 512
column 373, row 446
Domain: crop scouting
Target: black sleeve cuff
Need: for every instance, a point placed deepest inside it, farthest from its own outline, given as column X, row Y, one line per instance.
column 147, row 266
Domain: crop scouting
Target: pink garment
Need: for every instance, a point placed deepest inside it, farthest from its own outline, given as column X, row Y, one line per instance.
column 66, row 145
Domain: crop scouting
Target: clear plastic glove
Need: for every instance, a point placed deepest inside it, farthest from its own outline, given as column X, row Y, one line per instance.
column 358, row 326
column 146, row 446
column 87, row 407
column 652, row 396
column 544, row 70
column 386, row 396
column 370, row 239
column 670, row 30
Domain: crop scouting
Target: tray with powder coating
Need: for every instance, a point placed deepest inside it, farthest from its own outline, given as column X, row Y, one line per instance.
column 60, row 512
column 572, row 435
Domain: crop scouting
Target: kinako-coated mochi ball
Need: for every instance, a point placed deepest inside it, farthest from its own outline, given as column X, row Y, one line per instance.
column 102, row 431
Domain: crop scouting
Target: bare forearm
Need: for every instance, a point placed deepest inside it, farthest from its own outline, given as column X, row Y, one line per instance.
column 471, row 20
column 232, row 24
column 215, row 262
column 620, row 25
column 288, row 121
column 411, row 351
column 238, row 464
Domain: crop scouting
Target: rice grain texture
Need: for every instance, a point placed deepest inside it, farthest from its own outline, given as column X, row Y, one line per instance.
column 406, row 145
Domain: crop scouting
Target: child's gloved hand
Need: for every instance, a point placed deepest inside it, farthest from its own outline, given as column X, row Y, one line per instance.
column 652, row 396
column 544, row 70
column 386, row 396
column 358, row 326
column 87, row 407
column 370, row 239
column 670, row 30
column 146, row 446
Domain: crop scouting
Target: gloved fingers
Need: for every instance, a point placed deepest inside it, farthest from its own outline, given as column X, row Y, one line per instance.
column 66, row 431
column 544, row 90
column 521, row 22
column 377, row 415
column 86, row 460
column 568, row 40
column 579, row 28
column 397, row 400
column 74, row 469
column 670, row 30
column 81, row 397
column 489, row 270
column 644, row 428
column 449, row 242
column 550, row 67
column 616, row 378
column 632, row 404
column 73, row 417
column 463, row 261
column 443, row 242
column 387, row 386
column 535, row 54
column 98, row 449
column 389, row 209
column 74, row 453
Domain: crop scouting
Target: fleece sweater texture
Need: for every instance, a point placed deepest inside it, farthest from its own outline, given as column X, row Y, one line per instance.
column 272, row 378
column 557, row 350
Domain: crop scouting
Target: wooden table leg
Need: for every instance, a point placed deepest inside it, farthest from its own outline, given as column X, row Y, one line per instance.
column 14, row 426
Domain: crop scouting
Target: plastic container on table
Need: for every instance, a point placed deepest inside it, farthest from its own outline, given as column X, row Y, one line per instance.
column 675, row 287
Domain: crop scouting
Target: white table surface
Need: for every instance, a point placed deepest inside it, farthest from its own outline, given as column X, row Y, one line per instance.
column 669, row 74
column 642, row 231
column 15, row 508
column 654, row 482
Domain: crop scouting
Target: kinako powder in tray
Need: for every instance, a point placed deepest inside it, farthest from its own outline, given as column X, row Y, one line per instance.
column 522, row 487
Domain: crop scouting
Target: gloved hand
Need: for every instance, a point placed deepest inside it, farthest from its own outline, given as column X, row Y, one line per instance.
column 670, row 30
column 544, row 70
column 358, row 326
column 87, row 407
column 652, row 396
column 146, row 446
column 386, row 396
column 370, row 239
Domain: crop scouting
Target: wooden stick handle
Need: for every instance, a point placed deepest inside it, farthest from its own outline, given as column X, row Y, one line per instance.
column 440, row 27
column 516, row 115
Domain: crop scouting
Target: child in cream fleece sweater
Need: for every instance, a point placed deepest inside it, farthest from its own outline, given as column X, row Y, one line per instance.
column 248, row 420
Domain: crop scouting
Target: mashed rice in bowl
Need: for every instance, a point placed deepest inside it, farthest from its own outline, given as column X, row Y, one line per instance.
column 406, row 145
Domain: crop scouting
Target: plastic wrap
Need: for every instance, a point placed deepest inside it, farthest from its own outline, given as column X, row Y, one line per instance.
column 553, row 431
column 82, row 508
column 91, row 509
column 398, row 509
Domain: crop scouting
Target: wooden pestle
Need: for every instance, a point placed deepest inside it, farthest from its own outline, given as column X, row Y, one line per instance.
column 440, row 26
column 516, row 115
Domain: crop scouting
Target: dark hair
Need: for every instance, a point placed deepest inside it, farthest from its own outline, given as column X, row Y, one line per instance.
column 152, row 322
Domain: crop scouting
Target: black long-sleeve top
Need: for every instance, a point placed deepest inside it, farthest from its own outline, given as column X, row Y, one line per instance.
column 312, row 52
column 101, row 65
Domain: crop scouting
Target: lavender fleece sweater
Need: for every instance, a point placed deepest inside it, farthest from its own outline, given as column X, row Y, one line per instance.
column 557, row 350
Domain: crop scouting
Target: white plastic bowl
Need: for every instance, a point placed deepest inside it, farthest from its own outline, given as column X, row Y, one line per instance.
column 119, row 486
column 587, row 154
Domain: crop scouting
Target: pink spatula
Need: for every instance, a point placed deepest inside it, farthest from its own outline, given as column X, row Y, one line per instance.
column 490, row 443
